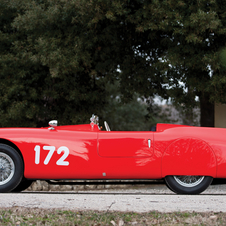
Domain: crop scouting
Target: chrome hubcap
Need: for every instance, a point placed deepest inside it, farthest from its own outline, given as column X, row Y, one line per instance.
column 189, row 181
column 7, row 168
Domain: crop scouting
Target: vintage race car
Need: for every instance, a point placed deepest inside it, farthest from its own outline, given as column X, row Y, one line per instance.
column 187, row 158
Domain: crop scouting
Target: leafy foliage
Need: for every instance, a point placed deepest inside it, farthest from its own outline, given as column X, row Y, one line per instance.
column 57, row 55
column 124, row 116
column 41, row 78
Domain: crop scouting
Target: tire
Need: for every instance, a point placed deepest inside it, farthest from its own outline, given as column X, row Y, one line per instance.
column 23, row 185
column 11, row 168
column 188, row 184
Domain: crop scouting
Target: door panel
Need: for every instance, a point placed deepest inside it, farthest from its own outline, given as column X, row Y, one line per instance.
column 125, row 144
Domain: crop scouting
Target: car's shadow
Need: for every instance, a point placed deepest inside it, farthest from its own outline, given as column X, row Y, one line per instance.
column 217, row 181
column 148, row 190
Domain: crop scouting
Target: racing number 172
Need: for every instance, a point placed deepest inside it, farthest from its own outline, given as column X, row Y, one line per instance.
column 61, row 161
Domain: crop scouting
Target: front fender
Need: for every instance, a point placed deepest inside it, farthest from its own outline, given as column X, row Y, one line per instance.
column 189, row 156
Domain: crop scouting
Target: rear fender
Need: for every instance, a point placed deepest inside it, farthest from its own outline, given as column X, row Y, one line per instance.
column 189, row 156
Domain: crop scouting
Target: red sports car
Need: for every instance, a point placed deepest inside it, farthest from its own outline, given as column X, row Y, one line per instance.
column 187, row 157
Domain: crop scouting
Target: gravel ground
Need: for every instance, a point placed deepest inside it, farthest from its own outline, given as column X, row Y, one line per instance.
column 139, row 199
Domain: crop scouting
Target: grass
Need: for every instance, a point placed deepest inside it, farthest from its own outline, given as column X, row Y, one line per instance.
column 33, row 216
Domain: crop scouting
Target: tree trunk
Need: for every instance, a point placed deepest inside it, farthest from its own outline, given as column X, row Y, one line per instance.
column 207, row 111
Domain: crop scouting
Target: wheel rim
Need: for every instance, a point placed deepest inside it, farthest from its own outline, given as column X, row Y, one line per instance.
column 7, row 168
column 189, row 181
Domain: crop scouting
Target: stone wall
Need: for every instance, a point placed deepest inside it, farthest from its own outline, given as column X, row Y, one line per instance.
column 45, row 186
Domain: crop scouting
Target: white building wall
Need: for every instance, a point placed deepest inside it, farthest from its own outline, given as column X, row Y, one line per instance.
column 220, row 115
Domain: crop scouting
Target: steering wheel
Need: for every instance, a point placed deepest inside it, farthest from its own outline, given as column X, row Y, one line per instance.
column 106, row 126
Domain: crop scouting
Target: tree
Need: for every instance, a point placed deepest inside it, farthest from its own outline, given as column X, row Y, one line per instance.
column 173, row 43
column 41, row 76
column 60, row 53
column 194, row 35
column 131, row 116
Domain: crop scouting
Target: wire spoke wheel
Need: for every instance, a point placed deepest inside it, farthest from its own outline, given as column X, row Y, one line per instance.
column 188, row 184
column 11, row 168
column 189, row 181
column 7, row 168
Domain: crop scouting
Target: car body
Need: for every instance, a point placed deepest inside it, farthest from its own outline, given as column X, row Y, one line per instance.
column 186, row 157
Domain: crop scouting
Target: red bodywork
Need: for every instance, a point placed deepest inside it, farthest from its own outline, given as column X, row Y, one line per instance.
column 85, row 152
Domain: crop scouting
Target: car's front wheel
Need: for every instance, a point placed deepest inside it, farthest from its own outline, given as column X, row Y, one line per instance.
column 11, row 168
column 188, row 184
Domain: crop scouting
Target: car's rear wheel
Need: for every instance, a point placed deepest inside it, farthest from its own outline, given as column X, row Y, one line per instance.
column 11, row 168
column 188, row 184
